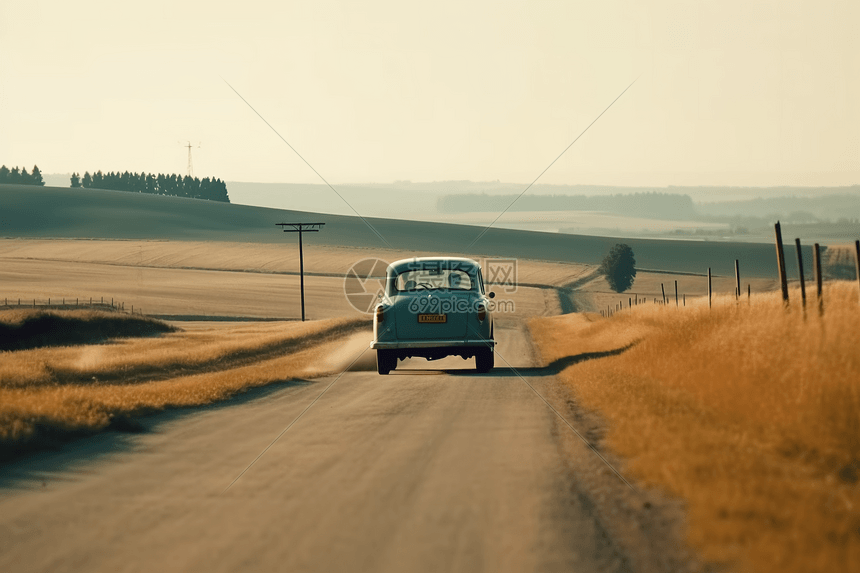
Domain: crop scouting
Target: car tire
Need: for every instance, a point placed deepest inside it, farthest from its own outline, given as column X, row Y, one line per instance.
column 484, row 359
column 386, row 361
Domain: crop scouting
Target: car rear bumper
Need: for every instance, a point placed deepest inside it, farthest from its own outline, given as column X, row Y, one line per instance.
column 430, row 344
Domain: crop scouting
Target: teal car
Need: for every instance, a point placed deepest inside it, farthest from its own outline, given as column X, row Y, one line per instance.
column 433, row 307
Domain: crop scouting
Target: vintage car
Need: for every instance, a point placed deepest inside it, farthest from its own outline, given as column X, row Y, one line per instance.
column 433, row 307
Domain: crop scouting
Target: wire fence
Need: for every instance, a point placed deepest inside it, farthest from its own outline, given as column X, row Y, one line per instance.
column 68, row 303
column 818, row 280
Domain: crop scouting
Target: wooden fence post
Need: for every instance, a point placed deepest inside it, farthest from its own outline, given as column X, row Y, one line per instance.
column 857, row 260
column 737, row 280
column 816, row 268
column 676, row 294
column 663, row 290
column 780, row 261
column 800, row 270
column 709, row 287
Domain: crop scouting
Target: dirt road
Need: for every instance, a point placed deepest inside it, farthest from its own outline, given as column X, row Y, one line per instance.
column 422, row 470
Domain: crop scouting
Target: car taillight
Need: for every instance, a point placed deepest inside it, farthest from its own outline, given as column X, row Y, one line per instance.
column 482, row 313
column 379, row 312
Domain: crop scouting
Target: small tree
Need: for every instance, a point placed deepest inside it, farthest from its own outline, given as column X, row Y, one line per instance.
column 619, row 268
column 36, row 177
column 75, row 180
column 88, row 180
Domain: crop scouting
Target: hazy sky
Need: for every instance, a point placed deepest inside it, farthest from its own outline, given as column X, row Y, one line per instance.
column 745, row 92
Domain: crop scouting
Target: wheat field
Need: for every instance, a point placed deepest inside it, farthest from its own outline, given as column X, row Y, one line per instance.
column 749, row 411
column 49, row 394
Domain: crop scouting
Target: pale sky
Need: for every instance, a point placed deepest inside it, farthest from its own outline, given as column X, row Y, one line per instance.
column 744, row 92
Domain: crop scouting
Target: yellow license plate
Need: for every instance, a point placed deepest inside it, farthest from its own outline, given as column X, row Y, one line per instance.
column 433, row 318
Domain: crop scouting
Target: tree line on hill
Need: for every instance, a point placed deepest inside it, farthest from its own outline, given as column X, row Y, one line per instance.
column 20, row 176
column 652, row 205
column 161, row 184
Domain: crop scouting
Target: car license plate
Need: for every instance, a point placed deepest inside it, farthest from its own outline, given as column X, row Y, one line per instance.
column 433, row 318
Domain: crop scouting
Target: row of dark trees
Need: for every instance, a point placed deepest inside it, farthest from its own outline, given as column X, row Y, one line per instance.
column 652, row 204
column 161, row 184
column 20, row 176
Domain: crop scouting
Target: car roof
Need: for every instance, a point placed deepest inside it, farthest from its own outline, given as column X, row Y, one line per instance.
column 406, row 264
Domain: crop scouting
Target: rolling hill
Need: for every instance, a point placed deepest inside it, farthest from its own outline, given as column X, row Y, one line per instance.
column 27, row 211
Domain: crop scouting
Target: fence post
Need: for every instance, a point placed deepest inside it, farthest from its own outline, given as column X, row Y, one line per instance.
column 664, row 293
column 709, row 287
column 816, row 269
column 800, row 270
column 685, row 299
column 737, row 280
column 857, row 260
column 676, row 294
column 780, row 261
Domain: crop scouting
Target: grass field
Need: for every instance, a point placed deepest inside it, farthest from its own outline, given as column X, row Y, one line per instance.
column 50, row 212
column 596, row 295
column 839, row 261
column 748, row 411
column 261, row 258
column 51, row 394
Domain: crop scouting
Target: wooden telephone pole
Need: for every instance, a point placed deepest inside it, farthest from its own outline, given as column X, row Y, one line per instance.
column 301, row 228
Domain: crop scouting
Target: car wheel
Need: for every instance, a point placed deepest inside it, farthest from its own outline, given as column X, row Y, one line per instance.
column 484, row 360
column 386, row 361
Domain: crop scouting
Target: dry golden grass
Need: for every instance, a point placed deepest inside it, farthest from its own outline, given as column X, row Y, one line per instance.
column 51, row 393
column 748, row 411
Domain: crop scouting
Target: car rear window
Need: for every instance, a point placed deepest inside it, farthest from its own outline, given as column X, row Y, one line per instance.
column 433, row 279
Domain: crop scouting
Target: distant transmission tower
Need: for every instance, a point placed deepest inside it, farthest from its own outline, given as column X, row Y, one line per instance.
column 190, row 163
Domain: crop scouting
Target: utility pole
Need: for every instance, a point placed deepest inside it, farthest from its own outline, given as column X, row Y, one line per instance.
column 301, row 228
